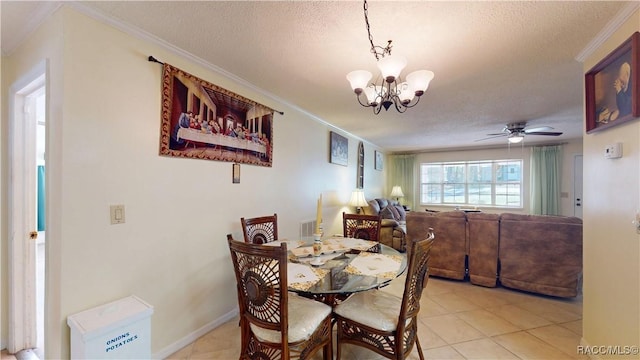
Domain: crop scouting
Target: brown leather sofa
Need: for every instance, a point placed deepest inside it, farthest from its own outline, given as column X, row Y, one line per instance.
column 449, row 249
column 392, row 225
column 484, row 233
column 535, row 253
column 541, row 254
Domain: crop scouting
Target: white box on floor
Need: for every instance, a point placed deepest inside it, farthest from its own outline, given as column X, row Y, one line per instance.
column 117, row 330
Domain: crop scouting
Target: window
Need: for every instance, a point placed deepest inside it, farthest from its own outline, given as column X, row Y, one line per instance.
column 475, row 183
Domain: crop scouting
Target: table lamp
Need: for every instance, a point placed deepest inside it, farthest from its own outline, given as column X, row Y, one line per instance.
column 358, row 200
column 396, row 192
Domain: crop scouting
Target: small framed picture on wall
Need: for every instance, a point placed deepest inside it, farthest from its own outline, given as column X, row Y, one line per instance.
column 379, row 160
column 338, row 149
column 236, row 174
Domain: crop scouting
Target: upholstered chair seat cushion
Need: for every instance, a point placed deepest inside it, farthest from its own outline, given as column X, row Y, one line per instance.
column 377, row 309
column 305, row 315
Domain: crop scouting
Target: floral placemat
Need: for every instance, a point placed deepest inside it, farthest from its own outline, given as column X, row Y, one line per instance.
column 351, row 243
column 372, row 264
column 291, row 244
column 302, row 277
column 325, row 249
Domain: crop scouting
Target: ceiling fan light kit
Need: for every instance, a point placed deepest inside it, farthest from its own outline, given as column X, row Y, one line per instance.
column 515, row 138
column 389, row 89
column 515, row 132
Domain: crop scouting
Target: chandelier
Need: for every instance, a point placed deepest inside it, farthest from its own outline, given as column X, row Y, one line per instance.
column 389, row 88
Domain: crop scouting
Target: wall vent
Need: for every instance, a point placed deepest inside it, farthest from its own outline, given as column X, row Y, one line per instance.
column 307, row 228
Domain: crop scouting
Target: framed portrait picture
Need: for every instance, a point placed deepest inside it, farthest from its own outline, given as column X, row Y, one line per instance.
column 612, row 87
column 338, row 149
column 379, row 159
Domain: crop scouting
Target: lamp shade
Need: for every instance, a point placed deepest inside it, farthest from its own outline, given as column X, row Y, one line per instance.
column 359, row 79
column 357, row 198
column 405, row 93
column 419, row 80
column 391, row 66
column 396, row 192
column 374, row 94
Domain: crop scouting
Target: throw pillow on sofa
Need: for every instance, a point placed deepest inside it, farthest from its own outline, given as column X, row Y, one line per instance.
column 394, row 211
column 386, row 213
column 374, row 206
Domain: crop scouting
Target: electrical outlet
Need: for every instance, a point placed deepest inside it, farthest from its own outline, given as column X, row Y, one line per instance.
column 117, row 214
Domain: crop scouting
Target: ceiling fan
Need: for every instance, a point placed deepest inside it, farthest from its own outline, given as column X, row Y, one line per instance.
column 515, row 132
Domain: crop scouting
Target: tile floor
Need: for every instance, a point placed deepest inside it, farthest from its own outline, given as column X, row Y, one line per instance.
column 457, row 321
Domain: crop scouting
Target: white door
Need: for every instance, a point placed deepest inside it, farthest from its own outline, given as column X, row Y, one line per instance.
column 22, row 211
column 577, row 186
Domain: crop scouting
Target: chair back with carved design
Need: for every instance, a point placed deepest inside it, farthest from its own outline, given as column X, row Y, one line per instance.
column 366, row 227
column 390, row 335
column 267, row 330
column 260, row 230
column 415, row 282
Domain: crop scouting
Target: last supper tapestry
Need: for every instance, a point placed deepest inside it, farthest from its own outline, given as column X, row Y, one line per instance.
column 203, row 121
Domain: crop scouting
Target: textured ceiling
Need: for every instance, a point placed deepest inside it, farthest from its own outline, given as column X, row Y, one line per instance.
column 494, row 62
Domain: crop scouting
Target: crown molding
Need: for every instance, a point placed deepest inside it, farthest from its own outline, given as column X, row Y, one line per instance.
column 41, row 13
column 148, row 37
column 612, row 26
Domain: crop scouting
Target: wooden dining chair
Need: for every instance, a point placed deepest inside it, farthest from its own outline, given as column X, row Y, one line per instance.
column 393, row 332
column 365, row 227
column 275, row 324
column 260, row 230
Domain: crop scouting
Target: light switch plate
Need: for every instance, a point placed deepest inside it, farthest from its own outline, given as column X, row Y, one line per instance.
column 117, row 214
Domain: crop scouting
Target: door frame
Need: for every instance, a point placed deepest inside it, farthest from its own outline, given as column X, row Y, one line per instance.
column 21, row 208
column 578, row 190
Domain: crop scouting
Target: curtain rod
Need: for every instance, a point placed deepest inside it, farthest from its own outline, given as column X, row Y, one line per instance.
column 153, row 59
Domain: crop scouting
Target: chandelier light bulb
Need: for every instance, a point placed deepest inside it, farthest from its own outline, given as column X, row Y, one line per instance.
column 359, row 79
column 391, row 66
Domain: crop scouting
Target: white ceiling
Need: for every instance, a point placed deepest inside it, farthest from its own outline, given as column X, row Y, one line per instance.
column 494, row 62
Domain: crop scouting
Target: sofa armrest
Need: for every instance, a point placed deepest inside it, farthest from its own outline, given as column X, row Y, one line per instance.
column 389, row 222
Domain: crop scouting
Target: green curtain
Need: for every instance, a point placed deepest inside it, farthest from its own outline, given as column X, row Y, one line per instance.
column 545, row 180
column 41, row 204
column 401, row 172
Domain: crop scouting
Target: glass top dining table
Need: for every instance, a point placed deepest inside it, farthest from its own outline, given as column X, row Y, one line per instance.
column 346, row 266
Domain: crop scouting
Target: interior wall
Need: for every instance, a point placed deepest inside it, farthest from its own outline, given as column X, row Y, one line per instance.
column 611, row 310
column 569, row 150
column 103, row 150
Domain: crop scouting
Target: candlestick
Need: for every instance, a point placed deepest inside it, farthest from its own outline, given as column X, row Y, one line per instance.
column 317, row 250
column 319, row 215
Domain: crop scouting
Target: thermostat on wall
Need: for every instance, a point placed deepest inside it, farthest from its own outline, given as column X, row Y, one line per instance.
column 613, row 151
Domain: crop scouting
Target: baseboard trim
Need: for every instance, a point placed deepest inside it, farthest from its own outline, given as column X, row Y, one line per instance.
column 584, row 343
column 164, row 353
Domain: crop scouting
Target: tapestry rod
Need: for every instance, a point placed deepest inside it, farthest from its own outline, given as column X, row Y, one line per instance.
column 152, row 59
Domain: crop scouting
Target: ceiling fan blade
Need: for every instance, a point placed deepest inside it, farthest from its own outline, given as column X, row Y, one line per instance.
column 492, row 136
column 548, row 133
column 538, row 129
column 498, row 134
